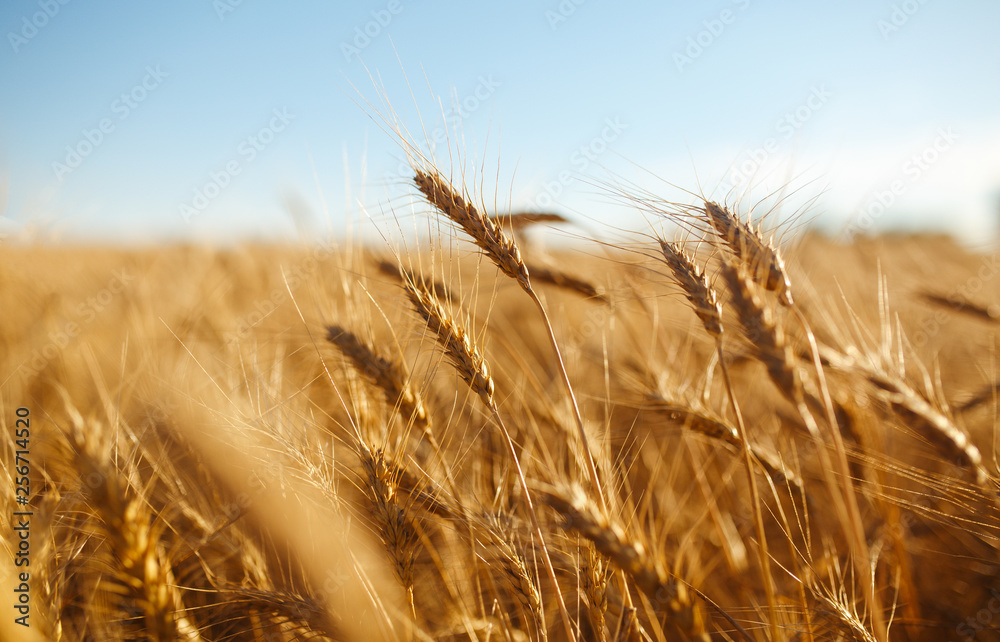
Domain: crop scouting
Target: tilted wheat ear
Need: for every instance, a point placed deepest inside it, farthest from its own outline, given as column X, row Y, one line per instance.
column 748, row 245
column 503, row 251
column 484, row 230
column 382, row 372
column 456, row 342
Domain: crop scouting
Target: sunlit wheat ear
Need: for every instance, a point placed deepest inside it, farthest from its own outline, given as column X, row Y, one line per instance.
column 516, row 569
column 440, row 290
column 705, row 302
column 453, row 338
column 706, row 422
column 395, row 525
column 472, row 367
column 595, row 571
column 383, row 373
column 488, row 236
column 748, row 245
column 647, row 571
column 834, row 613
column 302, row 616
column 485, row 231
column 930, row 420
column 764, row 334
column 961, row 304
column 937, row 427
column 695, row 285
column 141, row 574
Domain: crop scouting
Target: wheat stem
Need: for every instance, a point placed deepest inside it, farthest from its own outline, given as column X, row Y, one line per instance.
column 472, row 367
column 704, row 300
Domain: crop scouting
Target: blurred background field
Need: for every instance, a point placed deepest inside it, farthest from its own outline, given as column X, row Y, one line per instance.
column 201, row 383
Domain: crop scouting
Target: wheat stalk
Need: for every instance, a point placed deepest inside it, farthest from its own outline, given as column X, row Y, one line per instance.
column 705, row 302
column 767, row 341
column 505, row 255
column 472, row 367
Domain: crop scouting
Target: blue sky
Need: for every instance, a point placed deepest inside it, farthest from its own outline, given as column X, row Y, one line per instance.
column 201, row 119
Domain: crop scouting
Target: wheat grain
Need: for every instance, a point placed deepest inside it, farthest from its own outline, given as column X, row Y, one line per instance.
column 484, row 231
column 394, row 522
column 594, row 575
column 385, row 374
column 453, row 338
column 520, row 220
column 141, row 571
column 692, row 280
column 650, row 573
column 762, row 259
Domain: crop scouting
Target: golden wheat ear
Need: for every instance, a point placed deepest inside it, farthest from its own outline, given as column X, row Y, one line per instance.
column 748, row 245
column 483, row 230
column 647, row 569
column 567, row 282
column 705, row 302
column 141, row 579
column 765, row 335
column 693, row 282
column 393, row 270
column 470, row 364
column 392, row 518
column 381, row 372
column 458, row 346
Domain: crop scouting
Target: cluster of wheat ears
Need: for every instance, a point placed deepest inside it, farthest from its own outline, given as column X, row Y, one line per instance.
column 731, row 468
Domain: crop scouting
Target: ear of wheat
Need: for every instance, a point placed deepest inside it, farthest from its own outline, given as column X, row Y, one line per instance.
column 761, row 257
column 483, row 230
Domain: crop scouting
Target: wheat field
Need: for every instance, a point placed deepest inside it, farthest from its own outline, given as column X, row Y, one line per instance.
column 691, row 436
